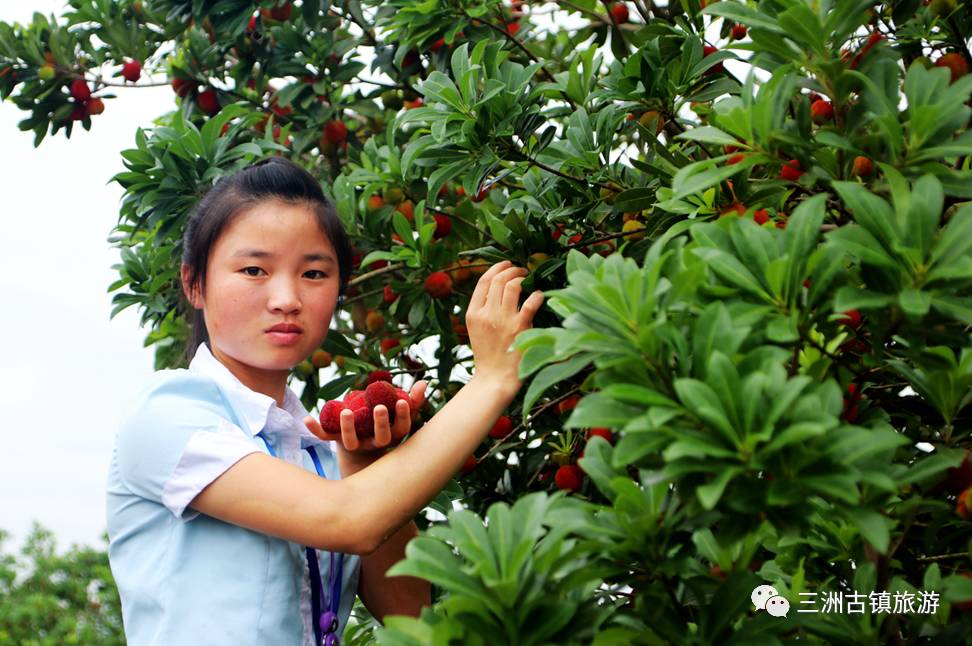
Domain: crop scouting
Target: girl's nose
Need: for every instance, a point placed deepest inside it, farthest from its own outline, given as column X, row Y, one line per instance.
column 284, row 296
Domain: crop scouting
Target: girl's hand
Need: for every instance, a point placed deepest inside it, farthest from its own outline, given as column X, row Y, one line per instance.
column 386, row 434
column 494, row 318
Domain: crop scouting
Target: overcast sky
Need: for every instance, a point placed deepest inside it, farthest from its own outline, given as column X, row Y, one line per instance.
column 66, row 368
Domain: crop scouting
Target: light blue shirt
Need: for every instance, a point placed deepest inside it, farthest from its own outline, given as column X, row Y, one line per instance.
column 188, row 578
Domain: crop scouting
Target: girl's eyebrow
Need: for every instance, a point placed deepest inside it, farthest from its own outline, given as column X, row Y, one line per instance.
column 259, row 253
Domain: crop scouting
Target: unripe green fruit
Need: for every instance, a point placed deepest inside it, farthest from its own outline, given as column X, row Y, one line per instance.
column 305, row 369
column 45, row 73
column 942, row 8
column 392, row 100
column 393, row 195
column 924, row 61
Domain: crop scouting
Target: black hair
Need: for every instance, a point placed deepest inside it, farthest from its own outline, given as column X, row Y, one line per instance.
column 275, row 178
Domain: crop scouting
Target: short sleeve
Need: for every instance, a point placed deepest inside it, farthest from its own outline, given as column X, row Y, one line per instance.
column 176, row 439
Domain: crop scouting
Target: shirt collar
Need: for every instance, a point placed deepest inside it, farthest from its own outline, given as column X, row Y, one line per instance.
column 253, row 407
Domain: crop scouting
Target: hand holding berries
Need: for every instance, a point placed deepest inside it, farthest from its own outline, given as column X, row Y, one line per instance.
column 389, row 429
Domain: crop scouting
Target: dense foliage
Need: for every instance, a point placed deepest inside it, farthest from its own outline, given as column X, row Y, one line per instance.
column 51, row 599
column 752, row 223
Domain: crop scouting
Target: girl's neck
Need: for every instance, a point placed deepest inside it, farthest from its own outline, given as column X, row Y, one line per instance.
column 272, row 383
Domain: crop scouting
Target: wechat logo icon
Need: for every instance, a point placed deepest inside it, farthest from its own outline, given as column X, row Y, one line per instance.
column 766, row 597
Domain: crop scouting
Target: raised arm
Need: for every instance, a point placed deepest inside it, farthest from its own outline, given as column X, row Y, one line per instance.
column 357, row 514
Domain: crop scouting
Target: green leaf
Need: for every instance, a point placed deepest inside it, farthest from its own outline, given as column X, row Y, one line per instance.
column 698, row 176
column 551, row 375
column 858, row 242
column 709, row 494
column 871, row 212
column 852, row 298
column 700, row 400
column 914, row 303
column 710, row 135
column 432, row 560
column 928, row 468
column 336, row 387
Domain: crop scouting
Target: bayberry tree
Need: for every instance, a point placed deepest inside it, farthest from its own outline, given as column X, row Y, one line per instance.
column 751, row 220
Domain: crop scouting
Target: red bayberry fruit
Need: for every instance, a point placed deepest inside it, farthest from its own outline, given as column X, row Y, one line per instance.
column 619, row 13
column 850, row 410
column 79, row 112
column 282, row 12
column 387, row 345
column 438, row 284
column 735, row 159
column 406, row 208
column 822, row 111
column 443, row 226
column 706, row 51
column 378, row 375
column 335, row 131
column 964, row 606
column 96, row 106
column 512, row 28
column 569, row 477
column 958, row 478
column 364, row 421
column 502, row 428
column 469, row 464
column 956, row 64
column 388, row 295
column 132, row 70
column 863, row 167
column 601, row 432
column 791, row 170
column 437, row 45
column 738, row 32
column 251, row 25
column 80, row 90
column 331, row 416
column 872, row 40
column 382, row 393
column 567, row 404
column 481, row 195
column 375, row 202
column 962, row 507
column 851, row 318
column 208, row 101
column 733, row 209
column 761, row 216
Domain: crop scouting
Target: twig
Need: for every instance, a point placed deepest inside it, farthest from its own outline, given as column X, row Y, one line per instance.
column 593, row 14
column 941, row 557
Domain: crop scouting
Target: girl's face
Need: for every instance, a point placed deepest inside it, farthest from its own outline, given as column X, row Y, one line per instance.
column 271, row 265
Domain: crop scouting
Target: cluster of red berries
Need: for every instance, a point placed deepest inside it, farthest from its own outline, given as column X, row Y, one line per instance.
column 85, row 105
column 362, row 404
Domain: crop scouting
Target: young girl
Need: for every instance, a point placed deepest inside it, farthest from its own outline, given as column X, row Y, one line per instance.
column 231, row 518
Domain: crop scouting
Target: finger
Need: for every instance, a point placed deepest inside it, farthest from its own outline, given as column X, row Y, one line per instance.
column 529, row 309
column 494, row 297
column 511, row 296
column 478, row 298
column 314, row 426
column 403, row 421
column 417, row 394
column 382, row 428
column 348, row 437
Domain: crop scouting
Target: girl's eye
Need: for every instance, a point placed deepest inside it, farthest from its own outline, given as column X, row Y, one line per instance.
column 251, row 271
column 318, row 272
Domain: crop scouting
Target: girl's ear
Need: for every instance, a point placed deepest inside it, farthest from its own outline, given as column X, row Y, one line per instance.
column 192, row 295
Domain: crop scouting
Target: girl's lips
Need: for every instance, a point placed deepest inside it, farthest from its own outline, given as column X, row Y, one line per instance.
column 283, row 338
